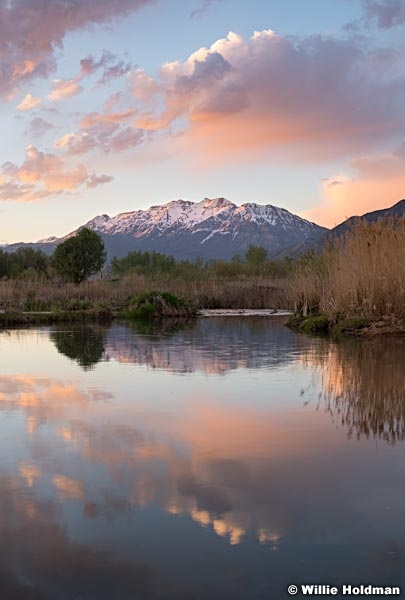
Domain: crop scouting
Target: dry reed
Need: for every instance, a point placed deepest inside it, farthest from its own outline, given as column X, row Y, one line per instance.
column 204, row 292
column 360, row 274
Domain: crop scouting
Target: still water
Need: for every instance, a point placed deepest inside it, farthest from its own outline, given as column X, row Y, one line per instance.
column 224, row 460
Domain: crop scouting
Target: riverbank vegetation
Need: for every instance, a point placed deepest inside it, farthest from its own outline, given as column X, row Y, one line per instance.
column 356, row 284
column 252, row 282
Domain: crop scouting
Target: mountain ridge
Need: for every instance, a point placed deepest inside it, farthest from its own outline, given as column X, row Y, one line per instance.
column 212, row 228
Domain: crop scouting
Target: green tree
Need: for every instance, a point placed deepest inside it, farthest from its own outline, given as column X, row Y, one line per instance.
column 79, row 257
column 256, row 255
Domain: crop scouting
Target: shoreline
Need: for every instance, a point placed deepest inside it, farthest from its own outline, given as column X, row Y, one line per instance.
column 243, row 312
column 22, row 318
column 365, row 327
column 17, row 318
column 312, row 325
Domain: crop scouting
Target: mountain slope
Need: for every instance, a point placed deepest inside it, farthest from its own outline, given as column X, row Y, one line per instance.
column 318, row 243
column 213, row 228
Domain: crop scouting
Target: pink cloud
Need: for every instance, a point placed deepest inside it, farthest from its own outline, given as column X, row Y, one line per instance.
column 89, row 65
column 104, row 136
column 144, row 88
column 28, row 103
column 106, row 132
column 315, row 98
column 96, row 180
column 30, row 33
column 65, row 89
column 76, row 143
column 94, row 119
column 109, row 64
column 42, row 175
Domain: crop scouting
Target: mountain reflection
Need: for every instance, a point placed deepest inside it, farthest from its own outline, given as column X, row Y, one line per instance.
column 363, row 385
column 362, row 382
column 212, row 346
column 117, row 482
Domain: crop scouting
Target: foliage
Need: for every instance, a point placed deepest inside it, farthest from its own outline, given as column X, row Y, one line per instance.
column 349, row 325
column 212, row 284
column 153, row 305
column 151, row 264
column 143, row 262
column 256, row 255
column 24, row 261
column 80, row 256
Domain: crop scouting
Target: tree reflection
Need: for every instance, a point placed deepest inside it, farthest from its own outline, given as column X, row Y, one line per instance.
column 363, row 385
column 160, row 328
column 83, row 344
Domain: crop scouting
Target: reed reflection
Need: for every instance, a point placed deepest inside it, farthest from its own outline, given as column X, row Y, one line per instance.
column 141, row 475
column 363, row 385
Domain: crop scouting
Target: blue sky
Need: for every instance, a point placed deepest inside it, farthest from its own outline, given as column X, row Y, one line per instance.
column 110, row 106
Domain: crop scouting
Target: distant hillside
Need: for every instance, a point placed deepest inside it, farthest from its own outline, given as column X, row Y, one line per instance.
column 213, row 228
column 317, row 244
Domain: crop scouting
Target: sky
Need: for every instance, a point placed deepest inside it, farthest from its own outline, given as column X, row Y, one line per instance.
column 109, row 106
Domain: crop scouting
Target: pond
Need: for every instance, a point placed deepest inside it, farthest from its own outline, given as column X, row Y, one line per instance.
column 225, row 459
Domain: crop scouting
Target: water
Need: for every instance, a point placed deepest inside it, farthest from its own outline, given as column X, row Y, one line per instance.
column 222, row 460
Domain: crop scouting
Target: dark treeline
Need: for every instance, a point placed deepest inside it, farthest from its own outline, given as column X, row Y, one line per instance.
column 32, row 281
column 28, row 263
column 153, row 263
column 25, row 262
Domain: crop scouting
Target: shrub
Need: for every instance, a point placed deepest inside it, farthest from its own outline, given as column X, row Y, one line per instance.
column 155, row 305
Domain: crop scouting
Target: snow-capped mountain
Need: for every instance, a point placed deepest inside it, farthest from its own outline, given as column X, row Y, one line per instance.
column 212, row 228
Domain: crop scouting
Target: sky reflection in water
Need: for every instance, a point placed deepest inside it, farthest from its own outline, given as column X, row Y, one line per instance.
column 222, row 460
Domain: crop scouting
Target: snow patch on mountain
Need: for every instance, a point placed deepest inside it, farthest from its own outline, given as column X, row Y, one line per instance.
column 214, row 215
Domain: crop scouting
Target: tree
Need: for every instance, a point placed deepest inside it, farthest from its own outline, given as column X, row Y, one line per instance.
column 27, row 258
column 143, row 262
column 256, row 255
column 79, row 257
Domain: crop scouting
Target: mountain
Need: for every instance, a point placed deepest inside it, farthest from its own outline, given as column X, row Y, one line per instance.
column 212, row 228
column 318, row 243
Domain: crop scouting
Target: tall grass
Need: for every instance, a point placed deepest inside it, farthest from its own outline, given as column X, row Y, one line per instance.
column 204, row 290
column 360, row 274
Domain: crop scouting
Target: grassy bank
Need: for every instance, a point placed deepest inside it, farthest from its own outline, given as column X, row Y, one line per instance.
column 357, row 285
column 19, row 318
column 204, row 290
column 147, row 306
